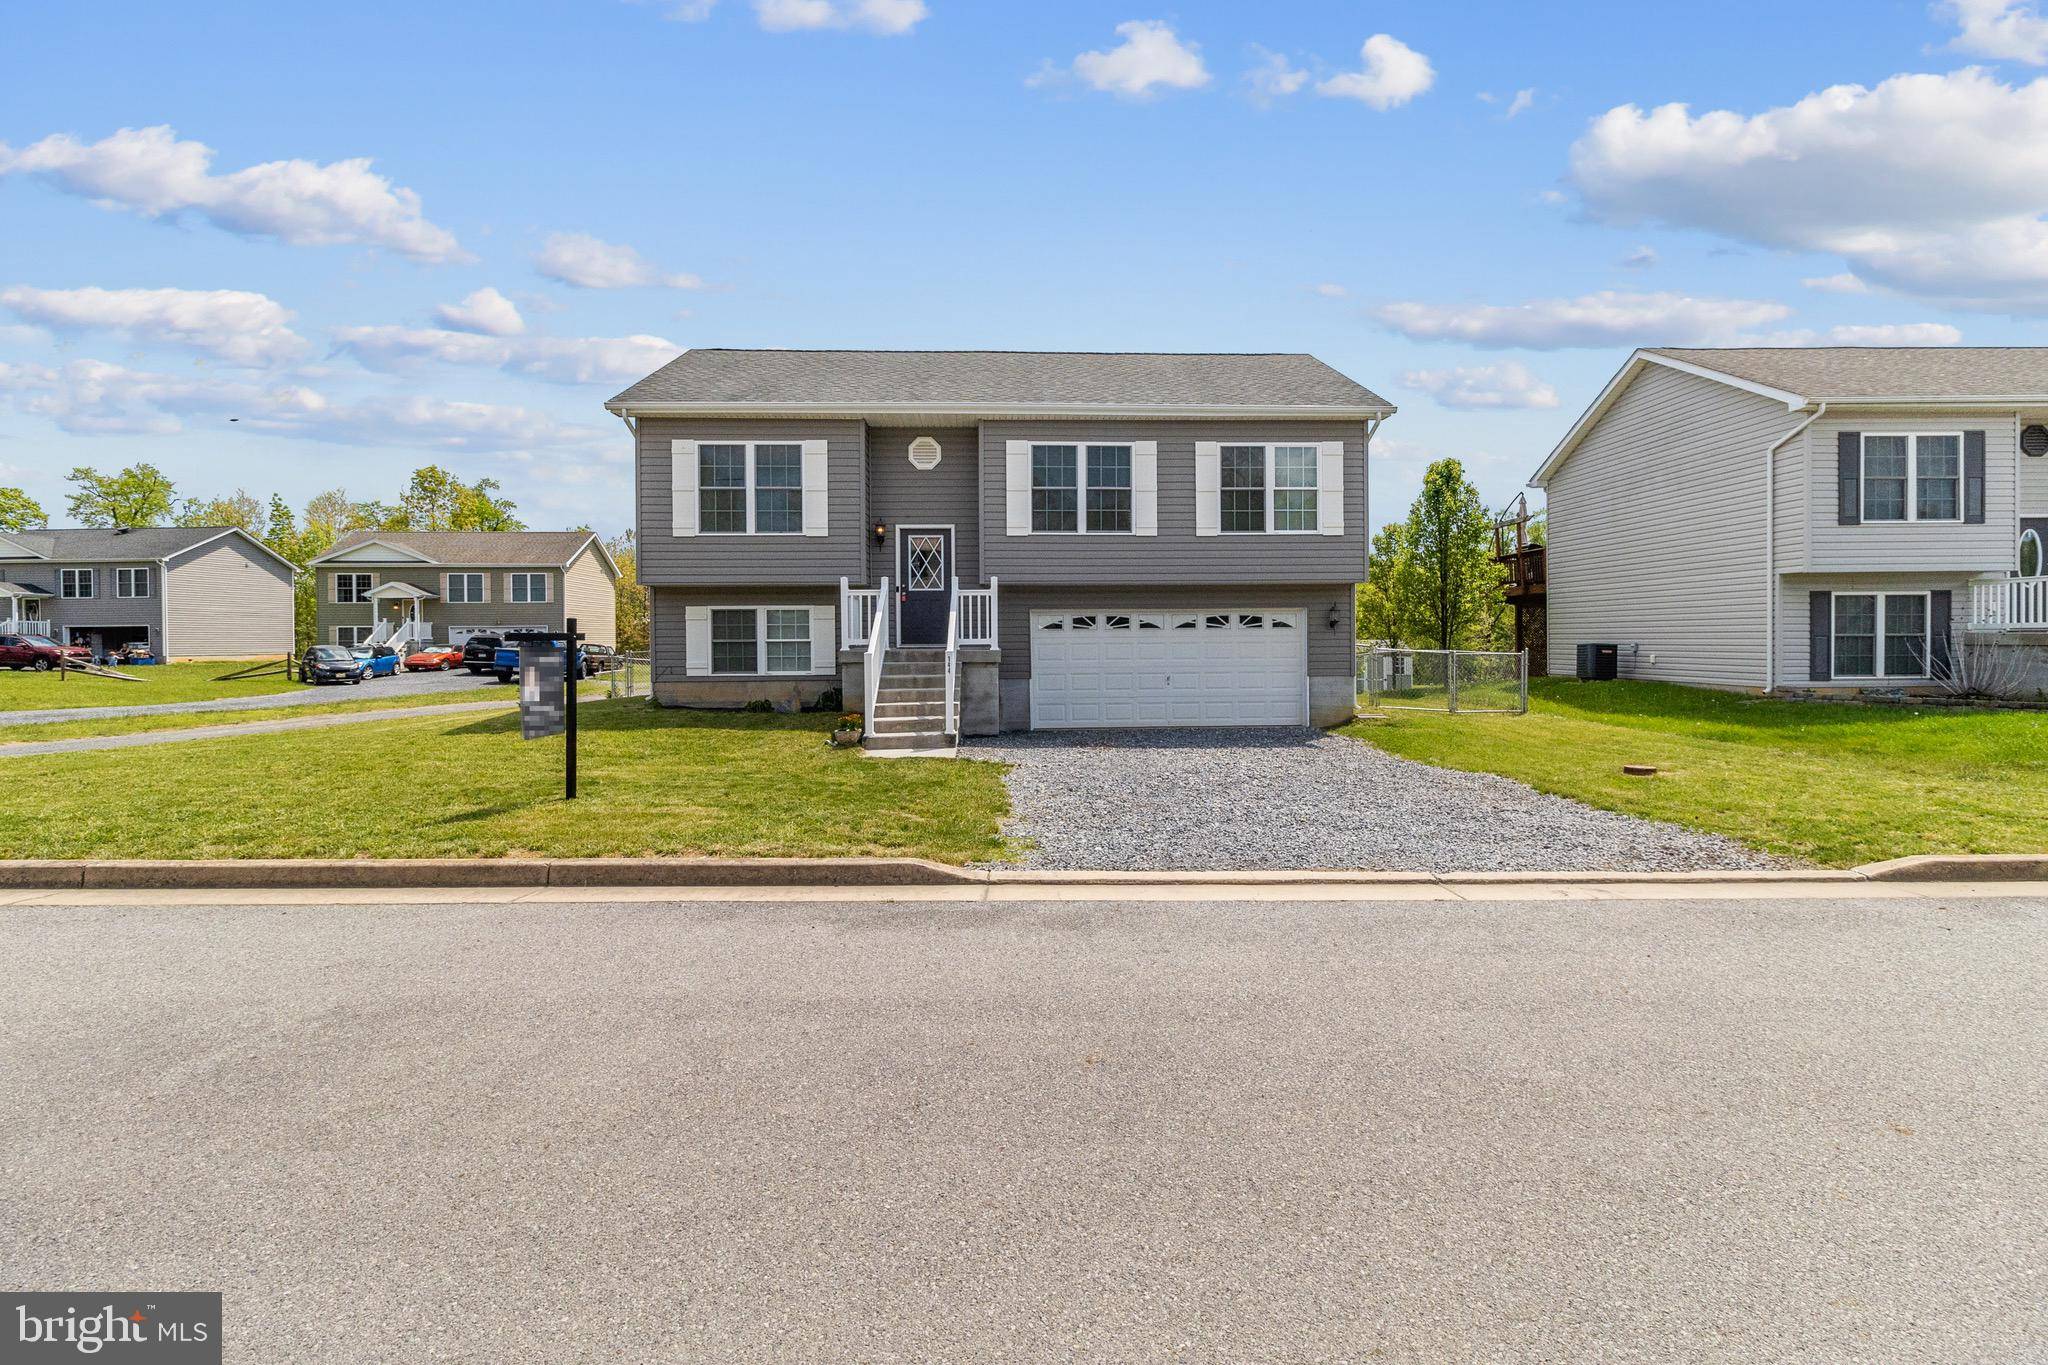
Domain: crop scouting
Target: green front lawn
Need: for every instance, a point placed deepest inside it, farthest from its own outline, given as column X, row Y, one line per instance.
column 654, row 782
column 26, row 691
column 1832, row 784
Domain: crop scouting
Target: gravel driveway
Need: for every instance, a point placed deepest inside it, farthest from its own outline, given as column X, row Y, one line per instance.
column 1276, row 798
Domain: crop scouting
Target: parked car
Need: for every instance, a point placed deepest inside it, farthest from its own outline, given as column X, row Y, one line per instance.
column 505, row 663
column 433, row 659
column 34, row 652
column 479, row 652
column 331, row 664
column 379, row 661
column 599, row 659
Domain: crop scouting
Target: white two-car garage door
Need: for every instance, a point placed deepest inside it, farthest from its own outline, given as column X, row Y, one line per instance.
column 1122, row 667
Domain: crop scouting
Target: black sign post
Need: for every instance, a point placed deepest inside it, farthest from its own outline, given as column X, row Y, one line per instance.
column 548, row 684
column 575, row 676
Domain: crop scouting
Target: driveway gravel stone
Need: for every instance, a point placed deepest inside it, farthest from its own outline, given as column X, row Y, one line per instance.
column 1271, row 798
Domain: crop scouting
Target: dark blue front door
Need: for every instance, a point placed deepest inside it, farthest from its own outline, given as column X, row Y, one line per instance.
column 924, row 568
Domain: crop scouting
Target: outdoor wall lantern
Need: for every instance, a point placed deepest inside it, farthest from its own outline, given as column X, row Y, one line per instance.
column 1336, row 617
column 881, row 534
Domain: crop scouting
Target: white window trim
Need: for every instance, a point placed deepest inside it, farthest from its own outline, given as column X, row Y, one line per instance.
column 1082, row 471
column 2040, row 552
column 1315, row 517
column 512, row 593
column 1882, row 595
column 483, row 587
column 751, row 488
column 760, row 668
column 72, row 578
column 1913, row 439
column 363, row 597
column 129, row 575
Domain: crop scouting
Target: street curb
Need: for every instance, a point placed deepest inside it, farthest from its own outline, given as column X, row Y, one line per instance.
column 41, row 874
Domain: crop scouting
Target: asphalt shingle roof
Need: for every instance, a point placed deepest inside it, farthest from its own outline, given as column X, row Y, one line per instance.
column 883, row 379
column 1925, row 372
column 481, row 549
column 94, row 543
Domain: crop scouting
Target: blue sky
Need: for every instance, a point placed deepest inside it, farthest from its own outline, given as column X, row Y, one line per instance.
column 1475, row 208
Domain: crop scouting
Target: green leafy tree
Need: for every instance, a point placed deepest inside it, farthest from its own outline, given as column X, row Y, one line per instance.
column 20, row 512
column 283, row 533
column 479, row 508
column 436, row 500
column 1452, row 570
column 632, row 598
column 140, row 495
column 239, row 509
column 1386, row 600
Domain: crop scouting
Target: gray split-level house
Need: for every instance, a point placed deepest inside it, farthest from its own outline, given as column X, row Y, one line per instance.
column 1804, row 519
column 962, row 542
column 187, row 592
column 407, row 588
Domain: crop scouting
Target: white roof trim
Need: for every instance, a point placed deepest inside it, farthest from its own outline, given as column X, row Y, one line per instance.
column 1026, row 411
column 26, row 553
column 232, row 531
column 597, row 544
column 405, row 556
column 1622, row 379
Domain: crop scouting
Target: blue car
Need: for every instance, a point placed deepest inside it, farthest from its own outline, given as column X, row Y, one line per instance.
column 378, row 661
column 505, row 663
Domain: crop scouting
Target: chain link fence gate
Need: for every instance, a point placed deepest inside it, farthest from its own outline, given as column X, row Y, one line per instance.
column 634, row 677
column 1453, row 681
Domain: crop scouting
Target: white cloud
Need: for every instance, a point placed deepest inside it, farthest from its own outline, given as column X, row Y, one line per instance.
column 1608, row 318
column 1150, row 58
column 692, row 11
column 1897, row 334
column 152, row 172
column 559, row 360
column 1394, row 74
column 1641, row 258
column 2005, row 30
column 890, row 17
column 1522, row 103
column 1333, row 291
column 1844, row 283
column 237, row 326
column 486, row 311
column 1506, row 385
column 1272, row 78
column 1934, row 185
column 587, row 262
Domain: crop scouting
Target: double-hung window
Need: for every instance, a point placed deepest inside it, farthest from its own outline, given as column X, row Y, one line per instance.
column 465, row 587
column 527, row 587
column 761, row 640
column 76, row 583
column 351, row 588
column 750, row 488
column 1268, row 488
column 1880, row 635
column 1083, row 488
column 1913, row 477
column 131, row 582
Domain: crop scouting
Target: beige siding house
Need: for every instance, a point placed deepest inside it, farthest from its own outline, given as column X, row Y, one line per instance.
column 185, row 592
column 408, row 588
column 1803, row 519
column 959, row 542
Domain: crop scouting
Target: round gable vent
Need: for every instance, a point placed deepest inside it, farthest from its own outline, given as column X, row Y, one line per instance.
column 2034, row 440
column 924, row 453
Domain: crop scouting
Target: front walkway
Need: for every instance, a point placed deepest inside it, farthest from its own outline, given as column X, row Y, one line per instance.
column 1260, row 798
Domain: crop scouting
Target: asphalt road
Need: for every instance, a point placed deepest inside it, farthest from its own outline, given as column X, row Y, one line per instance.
column 1771, row 1131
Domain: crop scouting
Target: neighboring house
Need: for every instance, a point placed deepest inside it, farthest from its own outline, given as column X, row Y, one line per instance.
column 1832, row 518
column 199, row 592
column 1066, row 539
column 406, row 588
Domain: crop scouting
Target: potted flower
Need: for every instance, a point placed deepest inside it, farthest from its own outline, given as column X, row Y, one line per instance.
column 847, row 733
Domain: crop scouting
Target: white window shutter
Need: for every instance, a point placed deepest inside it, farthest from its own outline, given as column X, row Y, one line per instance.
column 1208, row 488
column 824, row 639
column 682, row 487
column 1144, row 488
column 1330, row 487
column 696, row 641
column 1017, row 480
column 817, row 511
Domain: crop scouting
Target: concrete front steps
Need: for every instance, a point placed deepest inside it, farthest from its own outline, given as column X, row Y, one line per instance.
column 910, row 704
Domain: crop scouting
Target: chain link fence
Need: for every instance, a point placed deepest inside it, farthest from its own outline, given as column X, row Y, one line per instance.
column 634, row 677
column 1453, row 681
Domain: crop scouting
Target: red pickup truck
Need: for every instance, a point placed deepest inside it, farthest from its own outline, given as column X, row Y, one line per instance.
column 33, row 651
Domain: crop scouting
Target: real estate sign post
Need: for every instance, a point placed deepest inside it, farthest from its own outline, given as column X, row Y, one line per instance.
column 547, row 693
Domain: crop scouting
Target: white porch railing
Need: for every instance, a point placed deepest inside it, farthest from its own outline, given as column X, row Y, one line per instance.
column 380, row 633
column 977, row 610
column 411, row 635
column 856, row 615
column 2009, row 604
column 29, row 625
column 952, row 722
column 871, row 662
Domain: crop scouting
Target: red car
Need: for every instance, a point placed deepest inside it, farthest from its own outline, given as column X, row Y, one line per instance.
column 33, row 651
column 433, row 659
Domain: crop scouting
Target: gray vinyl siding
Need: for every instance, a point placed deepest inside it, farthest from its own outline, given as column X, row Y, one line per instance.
column 666, row 558
column 901, row 494
column 1922, row 547
column 1795, row 651
column 590, row 594
column 1176, row 555
column 228, row 600
column 667, row 604
column 1656, row 535
column 102, row 608
column 1330, row 652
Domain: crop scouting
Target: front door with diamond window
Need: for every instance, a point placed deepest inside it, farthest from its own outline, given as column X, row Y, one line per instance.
column 924, row 565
